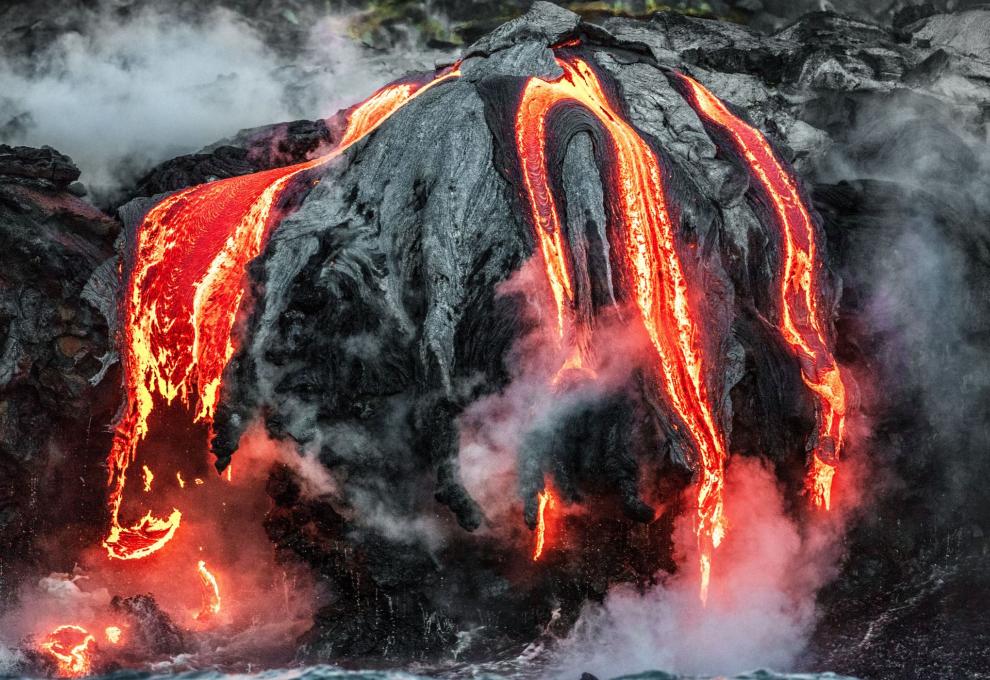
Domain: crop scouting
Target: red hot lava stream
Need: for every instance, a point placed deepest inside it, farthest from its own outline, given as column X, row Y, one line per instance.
column 801, row 322
column 546, row 503
column 183, row 293
column 211, row 592
column 654, row 271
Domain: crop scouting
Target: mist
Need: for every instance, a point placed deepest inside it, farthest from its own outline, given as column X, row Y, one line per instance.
column 120, row 95
column 760, row 611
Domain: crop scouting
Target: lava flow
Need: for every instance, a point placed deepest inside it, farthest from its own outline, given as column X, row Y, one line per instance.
column 546, row 503
column 72, row 649
column 654, row 271
column 211, row 592
column 801, row 321
column 183, row 293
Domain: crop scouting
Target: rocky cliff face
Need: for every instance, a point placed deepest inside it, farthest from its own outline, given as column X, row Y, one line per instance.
column 389, row 304
column 56, row 351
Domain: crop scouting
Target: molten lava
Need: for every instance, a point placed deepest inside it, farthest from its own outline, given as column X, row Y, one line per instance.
column 801, row 323
column 72, row 649
column 211, row 592
column 113, row 634
column 182, row 295
column 546, row 503
column 654, row 272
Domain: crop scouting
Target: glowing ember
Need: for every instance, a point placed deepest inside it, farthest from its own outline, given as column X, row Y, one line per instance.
column 149, row 477
column 182, row 296
column 113, row 634
column 182, row 482
column 71, row 647
column 654, row 271
column 546, row 502
column 211, row 592
column 801, row 321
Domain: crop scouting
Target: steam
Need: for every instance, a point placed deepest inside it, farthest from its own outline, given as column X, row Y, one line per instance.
column 924, row 297
column 761, row 608
column 121, row 95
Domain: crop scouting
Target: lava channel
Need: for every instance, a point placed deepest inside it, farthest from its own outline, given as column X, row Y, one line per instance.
column 183, row 291
column 653, row 268
column 801, row 321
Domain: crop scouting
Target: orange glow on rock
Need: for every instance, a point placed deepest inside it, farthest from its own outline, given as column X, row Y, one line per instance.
column 149, row 477
column 72, row 649
column 802, row 322
column 655, row 275
column 182, row 295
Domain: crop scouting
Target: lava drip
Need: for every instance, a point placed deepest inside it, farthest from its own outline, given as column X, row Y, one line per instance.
column 546, row 503
column 801, row 321
column 211, row 592
column 653, row 270
column 183, row 292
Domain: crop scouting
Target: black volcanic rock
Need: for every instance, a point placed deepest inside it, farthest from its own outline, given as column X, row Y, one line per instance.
column 252, row 150
column 45, row 165
column 150, row 630
column 56, row 349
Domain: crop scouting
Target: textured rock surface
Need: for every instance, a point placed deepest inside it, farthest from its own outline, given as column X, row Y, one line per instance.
column 376, row 322
column 380, row 315
column 53, row 343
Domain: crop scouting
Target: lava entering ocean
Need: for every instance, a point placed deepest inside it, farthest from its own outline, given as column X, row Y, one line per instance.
column 72, row 649
column 654, row 271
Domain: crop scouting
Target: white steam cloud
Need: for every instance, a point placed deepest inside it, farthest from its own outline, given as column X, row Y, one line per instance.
column 760, row 610
column 120, row 96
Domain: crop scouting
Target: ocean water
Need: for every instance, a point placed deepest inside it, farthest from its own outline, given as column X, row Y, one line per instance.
column 473, row 672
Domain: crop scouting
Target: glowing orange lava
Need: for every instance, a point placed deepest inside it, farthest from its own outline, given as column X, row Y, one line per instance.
column 801, row 322
column 654, row 272
column 113, row 634
column 547, row 502
column 184, row 289
column 149, row 477
column 71, row 647
column 211, row 592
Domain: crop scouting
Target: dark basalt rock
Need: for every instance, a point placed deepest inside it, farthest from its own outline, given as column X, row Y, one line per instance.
column 149, row 629
column 54, row 352
column 252, row 150
column 45, row 166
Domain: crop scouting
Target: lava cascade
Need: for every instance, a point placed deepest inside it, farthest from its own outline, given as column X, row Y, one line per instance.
column 655, row 274
column 801, row 321
column 182, row 296
column 547, row 502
